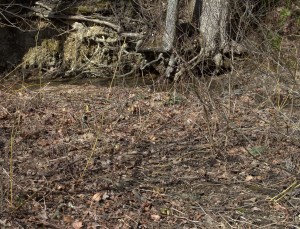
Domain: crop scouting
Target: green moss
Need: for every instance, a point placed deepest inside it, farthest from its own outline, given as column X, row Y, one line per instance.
column 88, row 7
column 97, row 6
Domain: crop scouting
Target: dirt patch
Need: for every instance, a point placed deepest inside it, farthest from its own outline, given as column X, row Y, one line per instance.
column 100, row 157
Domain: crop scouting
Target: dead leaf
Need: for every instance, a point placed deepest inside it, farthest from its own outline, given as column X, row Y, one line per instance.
column 3, row 112
column 255, row 209
column 43, row 142
column 43, row 214
column 97, row 197
column 155, row 217
column 279, row 207
column 77, row 224
column 60, row 132
column 67, row 219
column 224, row 175
column 4, row 223
column 81, row 196
column 152, row 138
column 258, row 178
column 105, row 196
column 249, row 178
column 86, row 137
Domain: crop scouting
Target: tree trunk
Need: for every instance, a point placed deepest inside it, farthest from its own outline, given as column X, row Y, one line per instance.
column 170, row 29
column 213, row 19
column 213, row 26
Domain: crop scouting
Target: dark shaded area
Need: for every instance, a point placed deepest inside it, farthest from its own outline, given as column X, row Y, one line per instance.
column 15, row 43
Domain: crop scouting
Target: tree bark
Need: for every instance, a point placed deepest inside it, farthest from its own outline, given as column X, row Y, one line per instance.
column 213, row 31
column 213, row 26
column 170, row 26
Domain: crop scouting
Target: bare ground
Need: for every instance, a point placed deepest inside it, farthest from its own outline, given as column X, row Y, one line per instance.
column 195, row 157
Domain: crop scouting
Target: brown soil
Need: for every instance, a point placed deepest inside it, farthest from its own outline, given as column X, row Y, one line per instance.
column 99, row 157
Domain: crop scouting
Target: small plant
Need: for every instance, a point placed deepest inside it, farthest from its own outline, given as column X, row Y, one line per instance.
column 275, row 40
column 174, row 99
column 285, row 14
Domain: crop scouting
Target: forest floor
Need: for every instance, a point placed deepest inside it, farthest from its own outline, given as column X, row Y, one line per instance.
column 219, row 153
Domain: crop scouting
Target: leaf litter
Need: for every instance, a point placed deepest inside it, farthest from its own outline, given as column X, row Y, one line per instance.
column 141, row 159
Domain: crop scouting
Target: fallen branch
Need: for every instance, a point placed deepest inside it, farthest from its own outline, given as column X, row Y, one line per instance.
column 79, row 18
column 160, row 57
